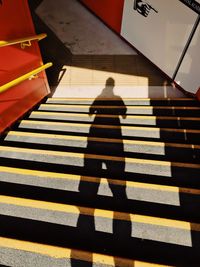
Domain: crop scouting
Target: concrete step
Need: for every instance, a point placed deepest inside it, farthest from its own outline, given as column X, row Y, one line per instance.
column 145, row 198
column 145, row 149
column 130, row 132
column 15, row 252
column 127, row 101
column 122, row 195
column 106, row 222
column 93, row 164
column 130, row 110
column 164, row 121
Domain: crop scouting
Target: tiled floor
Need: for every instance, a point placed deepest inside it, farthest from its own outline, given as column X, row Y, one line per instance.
column 86, row 53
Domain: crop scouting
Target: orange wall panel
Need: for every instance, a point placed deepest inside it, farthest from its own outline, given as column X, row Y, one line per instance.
column 198, row 94
column 16, row 22
column 110, row 11
column 15, row 15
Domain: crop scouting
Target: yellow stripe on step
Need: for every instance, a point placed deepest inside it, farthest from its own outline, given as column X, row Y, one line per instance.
column 135, row 218
column 134, row 99
column 133, row 128
column 118, row 107
column 98, row 157
column 68, row 177
column 67, row 253
column 141, row 117
column 52, row 175
column 100, row 139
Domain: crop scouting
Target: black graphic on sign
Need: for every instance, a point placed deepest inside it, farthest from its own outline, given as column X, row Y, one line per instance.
column 143, row 7
column 194, row 5
column 1, row 2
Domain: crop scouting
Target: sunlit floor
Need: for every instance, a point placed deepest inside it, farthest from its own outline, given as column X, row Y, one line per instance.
column 97, row 54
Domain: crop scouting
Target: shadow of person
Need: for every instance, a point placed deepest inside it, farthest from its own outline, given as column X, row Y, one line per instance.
column 107, row 109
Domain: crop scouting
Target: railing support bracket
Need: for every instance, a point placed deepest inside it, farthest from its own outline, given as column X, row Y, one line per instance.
column 25, row 44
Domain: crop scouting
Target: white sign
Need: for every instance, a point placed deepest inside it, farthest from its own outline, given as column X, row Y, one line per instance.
column 159, row 29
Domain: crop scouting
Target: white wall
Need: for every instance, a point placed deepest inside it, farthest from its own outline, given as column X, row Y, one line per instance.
column 189, row 73
column 162, row 36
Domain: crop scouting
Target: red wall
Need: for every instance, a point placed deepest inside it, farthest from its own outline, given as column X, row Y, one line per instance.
column 110, row 11
column 16, row 22
column 198, row 94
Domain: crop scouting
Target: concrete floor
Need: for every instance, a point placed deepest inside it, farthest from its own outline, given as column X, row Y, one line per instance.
column 95, row 53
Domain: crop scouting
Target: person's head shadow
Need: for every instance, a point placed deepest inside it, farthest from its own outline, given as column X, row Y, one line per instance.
column 108, row 103
column 108, row 91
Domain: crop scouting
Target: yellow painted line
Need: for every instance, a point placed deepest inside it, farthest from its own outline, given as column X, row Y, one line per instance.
column 67, row 253
column 88, row 125
column 118, row 107
column 135, row 99
column 88, row 106
column 135, row 128
column 51, row 114
column 99, row 139
column 55, row 176
column 140, row 117
column 159, row 221
column 191, row 146
column 176, row 108
column 37, row 204
column 185, row 131
column 44, row 205
column 102, row 157
column 177, row 118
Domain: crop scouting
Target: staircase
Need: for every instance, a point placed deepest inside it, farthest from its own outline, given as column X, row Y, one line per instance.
column 102, row 183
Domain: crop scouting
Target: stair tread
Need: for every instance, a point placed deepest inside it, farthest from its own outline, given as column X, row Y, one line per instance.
column 13, row 150
column 109, row 119
column 153, row 133
column 126, row 101
column 153, row 201
column 165, row 196
column 81, row 162
column 130, row 109
column 73, row 177
column 107, row 98
column 79, row 210
column 57, row 252
column 70, row 182
column 118, row 106
column 156, row 129
column 113, row 116
column 96, row 139
column 107, row 145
